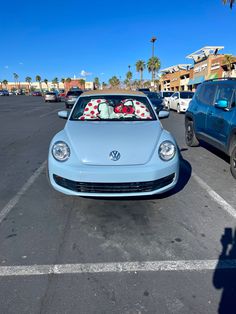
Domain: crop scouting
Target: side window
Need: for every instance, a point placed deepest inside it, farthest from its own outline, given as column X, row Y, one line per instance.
column 225, row 92
column 206, row 94
column 174, row 95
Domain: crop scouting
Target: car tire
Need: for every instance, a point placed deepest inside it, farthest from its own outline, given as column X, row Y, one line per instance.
column 233, row 161
column 190, row 137
column 178, row 109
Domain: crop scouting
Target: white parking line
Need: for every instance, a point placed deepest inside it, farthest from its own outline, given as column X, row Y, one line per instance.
column 49, row 113
column 216, row 197
column 127, row 267
column 24, row 188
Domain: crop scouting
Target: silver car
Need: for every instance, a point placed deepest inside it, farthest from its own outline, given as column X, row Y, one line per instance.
column 113, row 145
column 51, row 97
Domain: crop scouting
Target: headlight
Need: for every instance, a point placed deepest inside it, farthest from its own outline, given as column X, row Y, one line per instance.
column 61, row 151
column 167, row 150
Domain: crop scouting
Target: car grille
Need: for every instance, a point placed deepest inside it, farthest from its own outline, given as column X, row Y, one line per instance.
column 124, row 187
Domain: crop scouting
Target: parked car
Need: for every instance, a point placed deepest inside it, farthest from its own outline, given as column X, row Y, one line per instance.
column 179, row 101
column 105, row 149
column 156, row 100
column 52, row 97
column 211, row 117
column 165, row 95
column 71, row 97
column 36, row 93
column 4, row 92
column 144, row 90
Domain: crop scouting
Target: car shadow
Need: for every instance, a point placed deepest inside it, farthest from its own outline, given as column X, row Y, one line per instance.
column 215, row 151
column 185, row 172
column 224, row 276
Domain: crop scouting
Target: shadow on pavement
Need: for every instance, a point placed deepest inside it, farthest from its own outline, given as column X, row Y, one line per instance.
column 185, row 172
column 225, row 273
column 216, row 152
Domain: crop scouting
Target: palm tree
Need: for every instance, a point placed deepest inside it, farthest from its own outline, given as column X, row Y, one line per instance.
column 38, row 79
column 140, row 66
column 28, row 79
column 147, row 84
column 231, row 3
column 63, row 82
column 46, row 82
column 16, row 76
column 114, row 81
column 153, row 65
column 96, row 82
column 228, row 60
column 82, row 83
column 55, row 82
column 129, row 76
column 68, row 80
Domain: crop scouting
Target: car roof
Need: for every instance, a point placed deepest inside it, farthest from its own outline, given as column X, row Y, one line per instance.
column 112, row 92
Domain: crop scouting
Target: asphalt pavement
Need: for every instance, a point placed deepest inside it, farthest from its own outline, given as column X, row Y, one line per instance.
column 61, row 254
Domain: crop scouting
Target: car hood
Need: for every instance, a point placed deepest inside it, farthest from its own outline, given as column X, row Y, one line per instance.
column 93, row 141
column 186, row 101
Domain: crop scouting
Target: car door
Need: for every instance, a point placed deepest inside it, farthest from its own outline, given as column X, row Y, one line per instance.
column 219, row 119
column 202, row 102
column 172, row 101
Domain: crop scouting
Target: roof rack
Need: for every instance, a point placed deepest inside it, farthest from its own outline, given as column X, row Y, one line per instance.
column 222, row 79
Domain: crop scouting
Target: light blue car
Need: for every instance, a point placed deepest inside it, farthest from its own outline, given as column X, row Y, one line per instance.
column 113, row 145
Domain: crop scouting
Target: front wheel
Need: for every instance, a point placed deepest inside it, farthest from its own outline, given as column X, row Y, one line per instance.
column 233, row 162
column 178, row 109
column 190, row 137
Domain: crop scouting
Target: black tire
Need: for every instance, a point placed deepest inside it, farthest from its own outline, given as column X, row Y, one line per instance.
column 178, row 109
column 190, row 137
column 233, row 161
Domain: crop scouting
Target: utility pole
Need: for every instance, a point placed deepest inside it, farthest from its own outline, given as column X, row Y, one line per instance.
column 153, row 39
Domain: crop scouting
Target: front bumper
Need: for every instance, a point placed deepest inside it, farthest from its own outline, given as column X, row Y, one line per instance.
column 113, row 181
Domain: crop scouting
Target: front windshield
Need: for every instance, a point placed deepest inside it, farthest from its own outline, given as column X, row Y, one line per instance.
column 186, row 95
column 113, row 108
column 167, row 94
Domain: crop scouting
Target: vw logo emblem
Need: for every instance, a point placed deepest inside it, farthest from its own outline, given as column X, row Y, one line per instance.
column 114, row 155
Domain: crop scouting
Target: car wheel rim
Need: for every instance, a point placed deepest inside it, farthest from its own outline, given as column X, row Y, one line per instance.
column 234, row 160
column 189, row 133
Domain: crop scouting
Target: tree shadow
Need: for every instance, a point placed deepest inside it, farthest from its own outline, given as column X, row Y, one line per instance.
column 225, row 273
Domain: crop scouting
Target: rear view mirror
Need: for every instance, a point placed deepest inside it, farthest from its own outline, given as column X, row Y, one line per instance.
column 221, row 104
column 163, row 114
column 63, row 114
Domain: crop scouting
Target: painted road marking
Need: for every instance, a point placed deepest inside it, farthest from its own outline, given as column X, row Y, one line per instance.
column 49, row 113
column 25, row 187
column 215, row 196
column 130, row 267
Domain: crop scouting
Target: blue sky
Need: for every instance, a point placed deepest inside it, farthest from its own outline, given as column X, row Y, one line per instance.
column 57, row 38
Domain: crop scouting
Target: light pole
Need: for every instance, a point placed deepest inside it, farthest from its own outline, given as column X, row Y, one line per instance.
column 153, row 39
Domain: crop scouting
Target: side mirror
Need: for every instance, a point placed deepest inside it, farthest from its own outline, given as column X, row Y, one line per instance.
column 221, row 104
column 63, row 114
column 163, row 114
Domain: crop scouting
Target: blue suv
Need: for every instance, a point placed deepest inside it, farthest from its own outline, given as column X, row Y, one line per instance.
column 211, row 117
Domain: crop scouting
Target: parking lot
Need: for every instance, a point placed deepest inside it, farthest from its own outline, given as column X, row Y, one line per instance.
column 61, row 254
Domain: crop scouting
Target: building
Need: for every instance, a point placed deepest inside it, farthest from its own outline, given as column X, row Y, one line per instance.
column 49, row 86
column 176, row 78
column 207, row 64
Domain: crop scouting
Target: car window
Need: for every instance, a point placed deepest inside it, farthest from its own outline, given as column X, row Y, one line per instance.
column 224, row 92
column 206, row 94
column 186, row 95
column 74, row 93
column 113, row 108
column 167, row 94
column 175, row 95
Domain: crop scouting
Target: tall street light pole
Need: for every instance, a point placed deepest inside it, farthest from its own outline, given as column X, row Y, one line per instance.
column 153, row 39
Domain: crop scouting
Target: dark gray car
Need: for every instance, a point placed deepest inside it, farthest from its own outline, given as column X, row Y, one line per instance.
column 71, row 97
